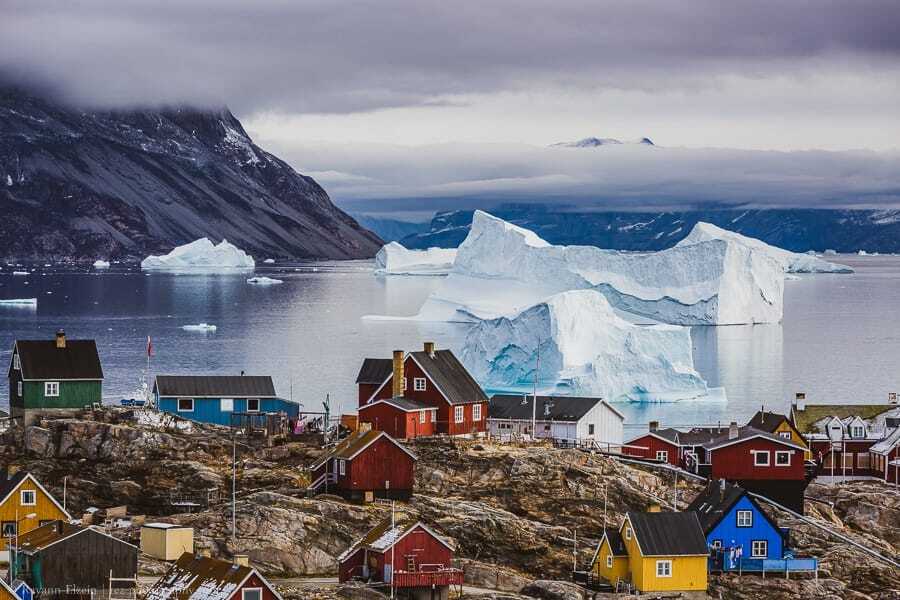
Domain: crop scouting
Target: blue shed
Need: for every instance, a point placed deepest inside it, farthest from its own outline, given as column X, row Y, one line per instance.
column 214, row 398
column 730, row 518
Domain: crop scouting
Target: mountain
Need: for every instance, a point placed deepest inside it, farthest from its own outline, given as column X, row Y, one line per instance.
column 795, row 229
column 124, row 184
column 593, row 142
column 390, row 230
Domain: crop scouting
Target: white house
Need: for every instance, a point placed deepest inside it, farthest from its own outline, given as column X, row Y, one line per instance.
column 562, row 418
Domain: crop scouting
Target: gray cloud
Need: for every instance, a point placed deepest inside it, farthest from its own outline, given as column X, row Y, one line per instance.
column 323, row 56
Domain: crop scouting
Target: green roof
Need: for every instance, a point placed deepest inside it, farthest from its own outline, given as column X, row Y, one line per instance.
column 805, row 419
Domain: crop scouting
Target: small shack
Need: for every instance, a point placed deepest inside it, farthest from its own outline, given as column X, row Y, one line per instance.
column 195, row 577
column 166, row 541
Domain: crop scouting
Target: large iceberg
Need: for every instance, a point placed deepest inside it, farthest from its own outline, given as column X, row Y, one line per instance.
column 201, row 254
column 585, row 348
column 502, row 269
column 791, row 262
column 395, row 259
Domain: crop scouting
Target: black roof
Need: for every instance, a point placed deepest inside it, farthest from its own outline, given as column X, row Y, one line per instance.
column 402, row 403
column 215, row 386
column 41, row 359
column 450, row 376
column 549, row 408
column 746, row 432
column 375, row 370
column 716, row 500
column 616, row 543
column 668, row 533
column 766, row 421
column 9, row 484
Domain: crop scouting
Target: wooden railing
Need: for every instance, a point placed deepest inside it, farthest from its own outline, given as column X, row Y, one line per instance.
column 440, row 577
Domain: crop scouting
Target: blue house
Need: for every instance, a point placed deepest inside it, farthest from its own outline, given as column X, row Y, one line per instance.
column 22, row 590
column 215, row 398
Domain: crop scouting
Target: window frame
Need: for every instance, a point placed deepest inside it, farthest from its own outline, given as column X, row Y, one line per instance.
column 782, row 453
column 662, row 455
column 857, row 432
column 716, row 544
column 48, row 388
column 459, row 414
column 628, row 533
column 785, row 435
column 737, row 519
column 180, row 409
column 230, row 405
column 4, row 525
column 667, row 571
column 404, row 384
column 258, row 590
column 765, row 547
column 757, row 454
column 590, row 429
column 17, row 362
column 416, row 384
column 21, row 389
column 609, row 560
column 22, row 497
column 342, row 467
column 258, row 405
column 476, row 412
column 422, row 415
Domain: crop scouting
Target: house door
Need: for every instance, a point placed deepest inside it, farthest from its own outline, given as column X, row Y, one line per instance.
column 388, row 573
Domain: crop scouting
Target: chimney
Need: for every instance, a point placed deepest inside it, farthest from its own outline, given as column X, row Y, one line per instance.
column 800, row 401
column 762, row 413
column 397, row 387
column 429, row 349
column 241, row 560
column 733, row 430
column 654, row 507
column 203, row 551
column 61, row 339
column 892, row 397
column 654, row 425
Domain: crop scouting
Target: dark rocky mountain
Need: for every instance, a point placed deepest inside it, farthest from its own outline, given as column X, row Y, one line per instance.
column 793, row 229
column 79, row 184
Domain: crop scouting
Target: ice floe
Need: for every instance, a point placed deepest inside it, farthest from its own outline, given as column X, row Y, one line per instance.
column 264, row 281
column 101, row 264
column 203, row 255
column 18, row 301
column 395, row 259
column 199, row 327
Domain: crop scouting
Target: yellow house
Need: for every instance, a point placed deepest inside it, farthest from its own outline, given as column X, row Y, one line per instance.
column 667, row 551
column 26, row 505
column 6, row 592
column 610, row 561
column 780, row 425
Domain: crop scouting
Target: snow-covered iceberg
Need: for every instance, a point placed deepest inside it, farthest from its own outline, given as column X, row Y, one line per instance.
column 502, row 269
column 201, row 254
column 585, row 348
column 18, row 301
column 395, row 259
column 791, row 262
column 100, row 264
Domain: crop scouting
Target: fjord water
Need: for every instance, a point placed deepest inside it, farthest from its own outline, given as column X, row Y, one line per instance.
column 839, row 342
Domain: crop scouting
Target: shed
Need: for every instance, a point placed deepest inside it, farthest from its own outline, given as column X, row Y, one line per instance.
column 194, row 577
column 166, row 541
column 217, row 398
column 562, row 418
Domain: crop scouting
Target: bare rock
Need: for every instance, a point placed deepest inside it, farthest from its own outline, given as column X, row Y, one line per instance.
column 553, row 590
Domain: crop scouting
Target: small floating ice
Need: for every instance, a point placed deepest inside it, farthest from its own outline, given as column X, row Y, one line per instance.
column 101, row 264
column 263, row 281
column 791, row 277
column 269, row 261
column 199, row 327
column 21, row 273
column 18, row 302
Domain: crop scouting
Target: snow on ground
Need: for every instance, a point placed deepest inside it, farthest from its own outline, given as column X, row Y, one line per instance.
column 502, row 269
column 585, row 349
column 100, row 264
column 201, row 254
column 395, row 259
column 264, row 281
column 792, row 262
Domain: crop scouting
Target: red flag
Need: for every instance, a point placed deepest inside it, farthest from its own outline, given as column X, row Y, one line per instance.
column 149, row 347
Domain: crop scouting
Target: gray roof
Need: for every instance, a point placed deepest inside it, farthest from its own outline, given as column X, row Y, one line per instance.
column 41, row 359
column 215, row 386
column 668, row 533
column 404, row 404
column 375, row 370
column 549, row 408
column 450, row 376
column 744, row 433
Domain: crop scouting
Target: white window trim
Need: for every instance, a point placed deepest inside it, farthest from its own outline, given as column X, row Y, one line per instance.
column 419, row 384
column 422, row 416
column 17, row 364
column 178, row 405
column 783, row 453
column 662, row 455
column 757, row 454
column 21, row 389
column 404, row 384
column 22, row 497
column 55, row 388
column 609, row 561
column 230, row 404
column 738, row 518
column 765, row 547
column 342, row 467
column 256, row 589
column 628, row 533
column 459, row 414
column 785, row 435
column 476, row 412
column 258, row 405
column 668, row 564
column 717, row 544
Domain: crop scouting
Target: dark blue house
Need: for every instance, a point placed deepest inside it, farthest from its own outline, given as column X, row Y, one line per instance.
column 22, row 590
column 215, row 398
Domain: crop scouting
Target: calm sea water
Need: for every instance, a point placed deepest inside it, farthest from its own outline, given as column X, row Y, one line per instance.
column 839, row 342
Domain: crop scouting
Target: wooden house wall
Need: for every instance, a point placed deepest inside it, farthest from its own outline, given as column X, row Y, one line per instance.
column 397, row 423
column 351, row 566
column 253, row 581
column 653, row 445
column 857, row 462
column 72, row 394
column 381, row 466
column 44, row 509
column 736, row 462
column 365, row 391
column 619, row 569
column 729, row 534
column 421, row 548
column 209, row 410
column 85, row 560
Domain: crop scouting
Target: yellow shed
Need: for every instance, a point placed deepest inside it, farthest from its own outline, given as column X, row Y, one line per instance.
column 26, row 505
column 667, row 551
column 166, row 541
column 610, row 561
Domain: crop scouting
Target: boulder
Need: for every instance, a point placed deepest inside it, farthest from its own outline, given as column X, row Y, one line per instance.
column 553, row 590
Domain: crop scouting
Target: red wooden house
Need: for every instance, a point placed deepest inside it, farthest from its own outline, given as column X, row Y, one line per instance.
column 195, row 577
column 432, row 379
column 406, row 555
column 656, row 444
column 364, row 466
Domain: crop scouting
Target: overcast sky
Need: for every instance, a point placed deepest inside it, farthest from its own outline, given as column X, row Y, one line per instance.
column 412, row 76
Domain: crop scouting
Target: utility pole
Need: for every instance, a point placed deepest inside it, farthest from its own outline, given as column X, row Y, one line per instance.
column 605, row 498
column 65, row 477
column 393, row 566
column 675, row 503
column 233, row 490
column 575, row 552
column 537, row 368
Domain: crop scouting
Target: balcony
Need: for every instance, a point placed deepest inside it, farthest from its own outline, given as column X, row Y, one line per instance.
column 436, row 578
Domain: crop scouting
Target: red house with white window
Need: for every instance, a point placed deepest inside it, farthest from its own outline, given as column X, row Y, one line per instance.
column 364, row 466
column 421, row 393
column 407, row 556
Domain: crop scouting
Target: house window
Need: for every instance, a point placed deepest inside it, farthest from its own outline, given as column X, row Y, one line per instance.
column 628, row 533
column 785, row 435
column 459, row 413
column 858, row 432
column 20, row 389
column 662, row 455
column 664, row 568
column 782, row 459
column 342, row 467
column 421, row 416
column 761, row 458
column 226, row 404
column 759, row 549
column 16, row 364
column 9, row 529
column 591, row 429
column 476, row 412
column 185, row 405
column 43, row 522
column 404, row 384
column 546, row 428
column 51, row 388
column 28, row 498
column 419, row 384
column 251, row 594
column 717, row 544
column 609, row 561
column 252, row 404
column 745, row 518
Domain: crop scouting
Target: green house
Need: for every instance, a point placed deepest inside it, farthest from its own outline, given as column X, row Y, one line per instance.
column 53, row 374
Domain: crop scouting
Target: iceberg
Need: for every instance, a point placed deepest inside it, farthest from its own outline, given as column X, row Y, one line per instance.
column 18, row 301
column 21, row 273
column 502, row 269
column 199, row 327
column 791, row 262
column 395, row 259
column 269, row 261
column 584, row 348
column 263, row 281
column 201, row 254
column 101, row 264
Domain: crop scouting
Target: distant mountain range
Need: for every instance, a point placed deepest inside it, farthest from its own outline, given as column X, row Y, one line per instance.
column 798, row 230
column 593, row 142
column 123, row 184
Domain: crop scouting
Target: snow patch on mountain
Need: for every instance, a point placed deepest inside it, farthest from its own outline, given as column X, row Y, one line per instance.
column 395, row 259
column 586, row 349
column 201, row 254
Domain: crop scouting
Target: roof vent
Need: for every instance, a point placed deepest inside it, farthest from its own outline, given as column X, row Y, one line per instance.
column 654, row 425
column 61, row 338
